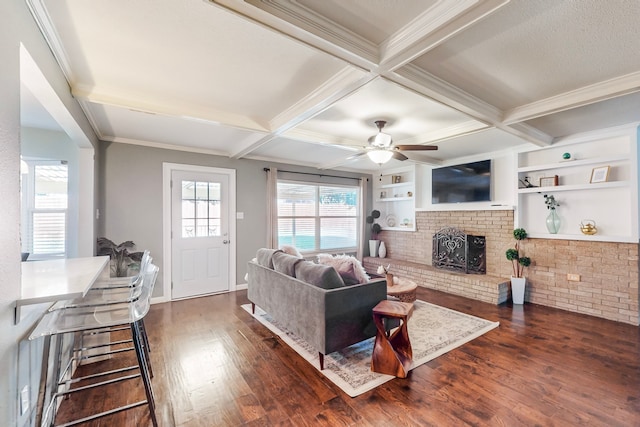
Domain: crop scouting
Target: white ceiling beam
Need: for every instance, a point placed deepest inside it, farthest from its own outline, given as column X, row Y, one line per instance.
column 591, row 94
column 454, row 97
column 302, row 24
column 432, row 28
column 317, row 102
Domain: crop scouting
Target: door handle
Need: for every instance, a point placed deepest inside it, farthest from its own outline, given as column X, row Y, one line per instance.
column 226, row 242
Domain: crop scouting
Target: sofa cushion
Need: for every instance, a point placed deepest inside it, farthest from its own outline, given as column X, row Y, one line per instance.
column 291, row 250
column 347, row 266
column 285, row 263
column 264, row 257
column 322, row 276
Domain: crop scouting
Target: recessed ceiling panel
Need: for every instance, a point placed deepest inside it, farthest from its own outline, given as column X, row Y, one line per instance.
column 408, row 115
column 612, row 112
column 373, row 20
column 298, row 152
column 534, row 49
column 186, row 53
column 121, row 123
column 491, row 140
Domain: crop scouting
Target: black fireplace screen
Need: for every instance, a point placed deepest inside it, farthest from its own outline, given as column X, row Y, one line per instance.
column 455, row 250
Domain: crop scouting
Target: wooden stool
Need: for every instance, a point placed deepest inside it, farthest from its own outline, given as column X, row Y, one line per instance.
column 392, row 354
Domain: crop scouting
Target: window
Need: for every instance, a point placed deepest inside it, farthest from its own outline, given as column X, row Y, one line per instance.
column 315, row 217
column 200, row 209
column 45, row 206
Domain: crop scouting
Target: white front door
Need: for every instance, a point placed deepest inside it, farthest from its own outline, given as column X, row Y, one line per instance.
column 200, row 233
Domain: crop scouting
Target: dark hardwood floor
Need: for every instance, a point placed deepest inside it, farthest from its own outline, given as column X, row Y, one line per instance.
column 216, row 366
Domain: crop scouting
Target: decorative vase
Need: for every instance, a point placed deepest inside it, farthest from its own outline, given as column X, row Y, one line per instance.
column 389, row 279
column 518, row 285
column 382, row 250
column 553, row 222
column 373, row 248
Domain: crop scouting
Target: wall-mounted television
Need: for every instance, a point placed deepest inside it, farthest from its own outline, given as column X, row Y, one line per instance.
column 468, row 182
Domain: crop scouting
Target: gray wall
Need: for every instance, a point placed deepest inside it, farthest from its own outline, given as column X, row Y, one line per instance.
column 19, row 358
column 131, row 201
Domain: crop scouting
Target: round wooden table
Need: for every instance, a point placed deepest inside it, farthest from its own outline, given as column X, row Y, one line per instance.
column 403, row 289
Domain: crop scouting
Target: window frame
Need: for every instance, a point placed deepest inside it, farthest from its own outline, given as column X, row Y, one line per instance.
column 29, row 209
column 318, row 218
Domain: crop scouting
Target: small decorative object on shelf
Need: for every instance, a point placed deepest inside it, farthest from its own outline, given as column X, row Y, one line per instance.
column 599, row 174
column 525, row 183
column 409, row 194
column 383, row 194
column 382, row 250
column 549, row 181
column 396, row 179
column 553, row 220
column 588, row 226
column 566, row 156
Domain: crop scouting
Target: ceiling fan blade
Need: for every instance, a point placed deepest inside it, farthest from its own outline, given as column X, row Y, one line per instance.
column 399, row 156
column 416, row 147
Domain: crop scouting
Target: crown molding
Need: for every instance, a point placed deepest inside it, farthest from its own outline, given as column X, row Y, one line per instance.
column 612, row 88
column 163, row 146
column 43, row 19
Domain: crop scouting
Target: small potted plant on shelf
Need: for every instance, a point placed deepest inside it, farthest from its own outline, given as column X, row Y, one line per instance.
column 374, row 243
column 519, row 263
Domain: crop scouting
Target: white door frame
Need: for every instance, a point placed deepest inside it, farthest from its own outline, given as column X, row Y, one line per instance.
column 167, row 169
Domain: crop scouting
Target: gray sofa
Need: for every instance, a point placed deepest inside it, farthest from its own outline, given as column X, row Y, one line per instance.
column 312, row 301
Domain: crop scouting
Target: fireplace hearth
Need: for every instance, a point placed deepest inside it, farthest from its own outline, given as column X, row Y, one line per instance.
column 458, row 251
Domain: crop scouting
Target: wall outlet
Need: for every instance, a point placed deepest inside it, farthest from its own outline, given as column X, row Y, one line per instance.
column 573, row 277
column 24, row 400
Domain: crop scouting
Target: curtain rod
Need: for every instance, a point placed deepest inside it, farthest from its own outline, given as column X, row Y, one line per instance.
column 315, row 174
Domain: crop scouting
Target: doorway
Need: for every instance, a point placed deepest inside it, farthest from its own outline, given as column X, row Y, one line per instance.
column 200, row 223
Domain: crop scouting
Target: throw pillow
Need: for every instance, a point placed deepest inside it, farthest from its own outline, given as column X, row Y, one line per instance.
column 285, row 263
column 291, row 250
column 346, row 264
column 322, row 276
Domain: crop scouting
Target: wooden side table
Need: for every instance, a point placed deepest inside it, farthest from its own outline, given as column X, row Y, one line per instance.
column 403, row 289
column 392, row 353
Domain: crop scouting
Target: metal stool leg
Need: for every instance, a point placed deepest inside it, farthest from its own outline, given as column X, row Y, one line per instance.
column 137, row 341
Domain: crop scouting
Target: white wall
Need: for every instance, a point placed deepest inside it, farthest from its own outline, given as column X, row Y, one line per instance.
column 19, row 358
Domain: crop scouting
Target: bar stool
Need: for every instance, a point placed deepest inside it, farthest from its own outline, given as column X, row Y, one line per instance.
column 124, row 282
column 71, row 321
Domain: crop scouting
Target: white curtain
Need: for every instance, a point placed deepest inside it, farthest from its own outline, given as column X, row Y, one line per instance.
column 272, row 208
column 363, row 216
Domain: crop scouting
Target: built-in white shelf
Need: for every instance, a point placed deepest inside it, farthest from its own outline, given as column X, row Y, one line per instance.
column 595, row 186
column 397, row 184
column 394, row 199
column 573, row 163
column 594, row 237
column 399, row 228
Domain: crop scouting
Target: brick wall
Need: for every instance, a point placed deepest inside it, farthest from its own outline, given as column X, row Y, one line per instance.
column 608, row 285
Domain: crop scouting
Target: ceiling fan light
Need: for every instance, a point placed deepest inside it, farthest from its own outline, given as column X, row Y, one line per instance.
column 380, row 156
column 382, row 140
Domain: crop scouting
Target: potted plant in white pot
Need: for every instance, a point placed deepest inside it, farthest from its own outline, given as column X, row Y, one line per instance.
column 374, row 243
column 519, row 263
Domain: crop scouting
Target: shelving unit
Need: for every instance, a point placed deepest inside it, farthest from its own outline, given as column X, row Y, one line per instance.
column 396, row 201
column 613, row 204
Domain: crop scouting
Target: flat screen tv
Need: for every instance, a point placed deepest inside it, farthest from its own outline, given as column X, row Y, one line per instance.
column 468, row 182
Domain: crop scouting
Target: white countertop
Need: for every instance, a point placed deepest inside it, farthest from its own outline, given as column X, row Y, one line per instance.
column 60, row 279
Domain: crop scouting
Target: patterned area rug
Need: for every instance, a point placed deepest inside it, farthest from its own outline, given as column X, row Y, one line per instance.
column 433, row 331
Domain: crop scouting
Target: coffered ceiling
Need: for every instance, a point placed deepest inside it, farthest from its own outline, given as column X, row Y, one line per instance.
column 303, row 81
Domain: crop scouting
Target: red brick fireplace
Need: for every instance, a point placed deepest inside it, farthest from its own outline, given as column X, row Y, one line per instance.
column 609, row 271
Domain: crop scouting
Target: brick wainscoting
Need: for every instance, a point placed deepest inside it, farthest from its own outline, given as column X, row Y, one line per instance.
column 608, row 285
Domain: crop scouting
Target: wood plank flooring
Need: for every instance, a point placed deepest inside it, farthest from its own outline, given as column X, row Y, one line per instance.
column 215, row 365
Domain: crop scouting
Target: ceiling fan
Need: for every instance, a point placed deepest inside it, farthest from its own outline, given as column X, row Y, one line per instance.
column 381, row 148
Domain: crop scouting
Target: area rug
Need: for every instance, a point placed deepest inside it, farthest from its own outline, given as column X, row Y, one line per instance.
column 433, row 331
